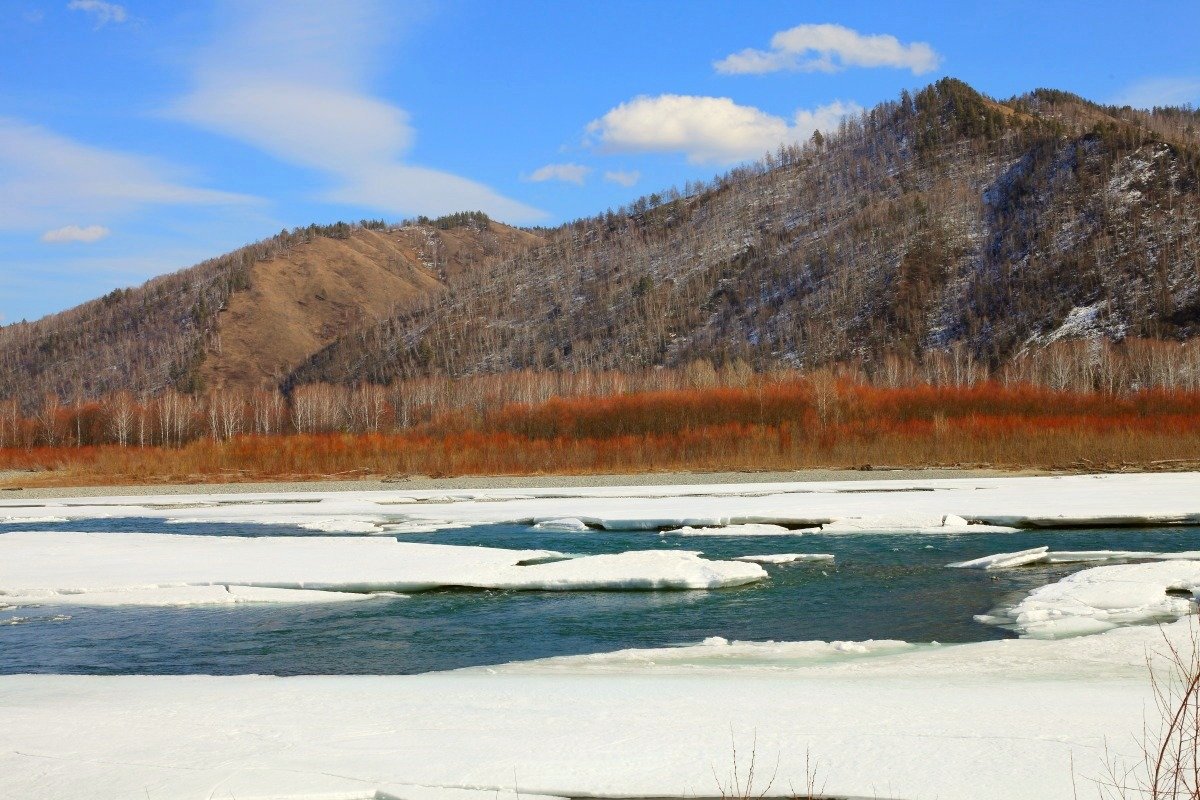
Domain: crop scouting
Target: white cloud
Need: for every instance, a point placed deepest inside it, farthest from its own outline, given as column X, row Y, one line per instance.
column 290, row 80
column 623, row 177
column 1160, row 92
column 568, row 173
column 822, row 118
column 74, row 233
column 706, row 129
column 103, row 13
column 830, row 48
column 45, row 176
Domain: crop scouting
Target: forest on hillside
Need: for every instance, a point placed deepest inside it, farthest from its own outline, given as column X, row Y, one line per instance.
column 943, row 221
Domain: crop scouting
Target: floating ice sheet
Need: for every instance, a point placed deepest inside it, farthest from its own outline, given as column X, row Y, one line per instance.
column 176, row 596
column 786, row 558
column 1004, row 560
column 566, row 524
column 140, row 568
column 1043, row 555
column 747, row 529
column 1103, row 598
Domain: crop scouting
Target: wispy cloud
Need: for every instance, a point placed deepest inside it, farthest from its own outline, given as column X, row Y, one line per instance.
column 706, row 129
column 1166, row 91
column 290, row 80
column 623, row 177
column 103, row 13
column 46, row 177
column 75, row 233
column 830, row 48
column 568, row 173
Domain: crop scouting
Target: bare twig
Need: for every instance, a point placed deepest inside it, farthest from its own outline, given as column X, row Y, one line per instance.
column 1169, row 767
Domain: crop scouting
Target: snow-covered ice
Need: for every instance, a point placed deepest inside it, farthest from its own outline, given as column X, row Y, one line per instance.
column 714, row 653
column 1082, row 556
column 973, row 505
column 568, row 524
column 963, row 505
column 1102, row 598
column 168, row 596
column 989, row 721
column 883, row 719
column 1043, row 555
column 786, row 558
column 746, row 529
column 1004, row 560
column 148, row 568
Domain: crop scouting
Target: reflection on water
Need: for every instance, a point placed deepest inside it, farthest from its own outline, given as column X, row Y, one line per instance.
column 882, row 586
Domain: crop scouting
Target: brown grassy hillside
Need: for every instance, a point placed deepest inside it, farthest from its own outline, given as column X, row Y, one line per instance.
column 244, row 318
column 300, row 301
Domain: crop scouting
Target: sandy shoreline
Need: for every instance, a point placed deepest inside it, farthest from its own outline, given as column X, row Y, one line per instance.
column 484, row 482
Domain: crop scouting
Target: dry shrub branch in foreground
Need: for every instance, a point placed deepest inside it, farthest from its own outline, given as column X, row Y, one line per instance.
column 1169, row 765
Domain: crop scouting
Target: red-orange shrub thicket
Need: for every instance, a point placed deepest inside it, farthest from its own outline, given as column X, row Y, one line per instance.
column 788, row 424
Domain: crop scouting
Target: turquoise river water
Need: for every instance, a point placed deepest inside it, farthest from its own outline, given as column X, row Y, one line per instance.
column 893, row 586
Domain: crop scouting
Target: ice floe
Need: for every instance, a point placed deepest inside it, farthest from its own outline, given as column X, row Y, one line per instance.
column 1102, row 598
column 175, row 596
column 566, row 524
column 786, row 558
column 140, row 568
column 746, row 529
column 1083, row 556
column 1004, row 560
column 1043, row 555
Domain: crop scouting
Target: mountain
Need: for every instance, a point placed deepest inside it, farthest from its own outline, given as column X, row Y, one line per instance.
column 944, row 221
column 248, row 318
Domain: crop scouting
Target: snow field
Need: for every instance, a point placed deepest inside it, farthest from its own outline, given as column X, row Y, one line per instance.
column 988, row 721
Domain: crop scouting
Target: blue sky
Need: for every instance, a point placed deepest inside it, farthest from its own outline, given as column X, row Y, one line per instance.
column 141, row 137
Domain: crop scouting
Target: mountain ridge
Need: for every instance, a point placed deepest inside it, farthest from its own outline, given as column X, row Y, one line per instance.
column 944, row 220
column 941, row 221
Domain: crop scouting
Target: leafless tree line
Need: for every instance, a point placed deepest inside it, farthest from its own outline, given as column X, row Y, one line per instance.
column 174, row 418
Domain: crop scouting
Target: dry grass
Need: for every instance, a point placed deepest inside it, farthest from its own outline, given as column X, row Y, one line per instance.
column 744, row 781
